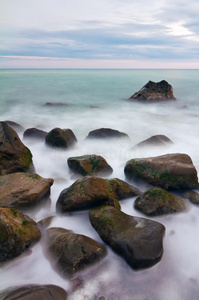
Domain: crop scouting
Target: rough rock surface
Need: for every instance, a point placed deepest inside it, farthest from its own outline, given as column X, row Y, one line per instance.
column 154, row 141
column 192, row 196
column 91, row 191
column 14, row 156
column 70, row 252
column 89, row 165
column 23, row 190
column 170, row 171
column 106, row 133
column 34, row 292
column 17, row 233
column 157, row 201
column 154, row 91
column 34, row 133
column 137, row 240
column 60, row 138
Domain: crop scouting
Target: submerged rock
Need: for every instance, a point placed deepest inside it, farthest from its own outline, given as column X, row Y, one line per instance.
column 34, row 292
column 70, row 252
column 91, row 191
column 106, row 133
column 137, row 240
column 89, row 165
column 14, row 156
column 60, row 138
column 17, row 233
column 23, row 190
column 170, row 171
column 192, row 196
column 154, row 141
column 17, row 127
column 34, row 133
column 157, row 201
column 154, row 91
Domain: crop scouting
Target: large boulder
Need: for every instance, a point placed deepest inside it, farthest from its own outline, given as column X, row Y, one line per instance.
column 89, row 165
column 137, row 240
column 60, row 138
column 23, row 190
column 14, row 156
column 34, row 292
column 154, row 141
column 34, row 133
column 170, row 171
column 154, row 91
column 70, row 252
column 91, row 191
column 106, row 133
column 157, row 201
column 17, row 233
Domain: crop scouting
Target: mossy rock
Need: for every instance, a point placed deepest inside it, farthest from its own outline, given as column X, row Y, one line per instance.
column 60, row 138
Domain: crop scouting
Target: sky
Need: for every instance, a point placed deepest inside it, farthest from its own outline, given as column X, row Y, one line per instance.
column 114, row 34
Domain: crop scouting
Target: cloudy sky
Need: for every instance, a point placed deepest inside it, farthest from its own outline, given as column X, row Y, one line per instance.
column 99, row 33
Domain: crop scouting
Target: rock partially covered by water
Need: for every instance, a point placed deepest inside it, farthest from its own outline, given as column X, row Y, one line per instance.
column 34, row 292
column 14, row 156
column 91, row 191
column 154, row 91
column 89, row 165
column 137, row 240
column 106, row 133
column 60, row 138
column 154, row 141
column 23, row 190
column 17, row 233
column 157, row 201
column 70, row 252
column 192, row 196
column 170, row 171
column 34, row 133
column 17, row 127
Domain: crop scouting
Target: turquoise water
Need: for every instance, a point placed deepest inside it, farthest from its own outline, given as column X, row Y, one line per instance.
column 95, row 99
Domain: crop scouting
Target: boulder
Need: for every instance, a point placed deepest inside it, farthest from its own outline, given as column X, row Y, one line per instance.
column 154, row 141
column 23, row 190
column 60, row 138
column 70, row 252
column 137, row 240
column 170, row 171
column 89, row 165
column 91, row 191
column 34, row 133
column 154, row 91
column 192, row 196
column 157, row 201
column 106, row 133
column 17, row 127
column 17, row 233
column 34, row 292
column 14, row 156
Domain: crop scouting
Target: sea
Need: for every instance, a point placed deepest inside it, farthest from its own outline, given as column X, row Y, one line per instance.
column 99, row 99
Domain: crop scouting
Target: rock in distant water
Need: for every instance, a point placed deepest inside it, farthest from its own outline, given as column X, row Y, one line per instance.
column 72, row 252
column 17, row 233
column 106, row 133
column 137, row 240
column 157, row 201
column 154, row 91
column 55, row 104
column 23, row 190
column 34, row 133
column 61, row 138
column 34, row 292
column 170, row 171
column 154, row 141
column 14, row 156
column 89, row 165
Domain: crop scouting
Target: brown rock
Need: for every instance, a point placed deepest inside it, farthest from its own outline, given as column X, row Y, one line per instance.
column 154, row 141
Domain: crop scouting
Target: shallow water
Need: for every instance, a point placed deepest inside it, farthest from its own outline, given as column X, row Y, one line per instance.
column 23, row 94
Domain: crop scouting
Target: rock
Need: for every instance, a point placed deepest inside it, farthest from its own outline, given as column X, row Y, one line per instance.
column 17, row 127
column 60, row 138
column 155, row 140
column 137, row 240
column 14, row 156
column 17, row 233
column 157, row 201
column 192, row 196
column 89, row 165
column 106, row 133
column 70, row 252
column 51, row 104
column 170, row 171
column 34, row 292
column 91, row 191
column 34, row 133
column 154, row 91
column 23, row 190
column 44, row 223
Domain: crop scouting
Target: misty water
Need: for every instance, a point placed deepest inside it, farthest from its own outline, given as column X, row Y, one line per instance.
column 96, row 99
